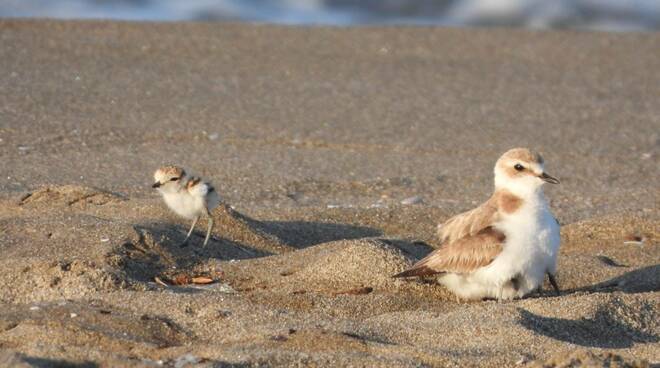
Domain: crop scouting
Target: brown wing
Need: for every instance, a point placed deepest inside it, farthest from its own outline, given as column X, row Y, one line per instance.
column 462, row 256
column 470, row 222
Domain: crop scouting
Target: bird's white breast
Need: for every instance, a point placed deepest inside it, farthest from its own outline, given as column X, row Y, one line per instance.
column 532, row 239
column 184, row 204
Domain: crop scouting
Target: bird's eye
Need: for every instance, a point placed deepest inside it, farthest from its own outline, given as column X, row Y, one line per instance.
column 519, row 167
column 174, row 179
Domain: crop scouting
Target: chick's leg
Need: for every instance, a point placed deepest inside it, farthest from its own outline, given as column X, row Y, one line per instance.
column 208, row 231
column 185, row 241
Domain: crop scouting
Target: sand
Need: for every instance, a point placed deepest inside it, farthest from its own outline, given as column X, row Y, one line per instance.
column 336, row 151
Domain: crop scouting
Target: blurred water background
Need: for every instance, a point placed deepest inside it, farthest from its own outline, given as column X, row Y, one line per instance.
column 602, row 15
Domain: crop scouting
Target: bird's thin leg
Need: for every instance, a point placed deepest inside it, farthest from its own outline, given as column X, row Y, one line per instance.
column 500, row 291
column 208, row 232
column 185, row 241
column 553, row 282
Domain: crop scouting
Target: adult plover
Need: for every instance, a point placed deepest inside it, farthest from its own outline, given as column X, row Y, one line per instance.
column 504, row 248
column 187, row 195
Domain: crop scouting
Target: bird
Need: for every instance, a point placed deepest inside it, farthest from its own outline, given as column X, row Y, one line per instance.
column 503, row 248
column 187, row 195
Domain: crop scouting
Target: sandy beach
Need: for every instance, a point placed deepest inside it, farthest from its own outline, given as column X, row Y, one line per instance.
column 337, row 151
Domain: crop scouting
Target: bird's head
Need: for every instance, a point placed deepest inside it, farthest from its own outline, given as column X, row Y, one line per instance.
column 168, row 179
column 521, row 171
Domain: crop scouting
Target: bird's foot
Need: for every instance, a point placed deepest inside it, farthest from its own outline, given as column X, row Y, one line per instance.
column 554, row 284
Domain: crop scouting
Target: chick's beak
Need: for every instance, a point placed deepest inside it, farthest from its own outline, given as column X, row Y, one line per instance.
column 156, row 184
column 549, row 179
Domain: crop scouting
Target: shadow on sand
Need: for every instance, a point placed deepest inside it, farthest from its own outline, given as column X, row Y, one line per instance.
column 604, row 330
column 156, row 248
column 609, row 328
column 49, row 363
column 641, row 280
column 302, row 234
column 283, row 235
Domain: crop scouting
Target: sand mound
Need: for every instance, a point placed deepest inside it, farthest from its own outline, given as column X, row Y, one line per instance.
column 240, row 228
column 283, row 236
column 90, row 325
column 611, row 322
column 369, row 262
column 155, row 250
column 58, row 255
column 589, row 359
column 68, row 195
column 328, row 268
column 9, row 358
column 52, row 280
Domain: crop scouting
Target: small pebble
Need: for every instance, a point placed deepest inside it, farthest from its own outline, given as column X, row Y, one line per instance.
column 153, row 362
column 184, row 360
column 73, row 315
column 105, row 240
column 522, row 360
column 34, row 307
column 634, row 239
column 214, row 136
column 223, row 314
column 412, row 200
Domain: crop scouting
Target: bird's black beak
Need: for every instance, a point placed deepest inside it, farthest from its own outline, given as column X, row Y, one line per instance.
column 156, row 185
column 549, row 179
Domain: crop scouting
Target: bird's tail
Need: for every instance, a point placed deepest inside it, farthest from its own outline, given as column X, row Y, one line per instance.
column 417, row 271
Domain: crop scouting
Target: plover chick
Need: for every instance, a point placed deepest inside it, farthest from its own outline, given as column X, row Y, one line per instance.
column 187, row 195
column 504, row 248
